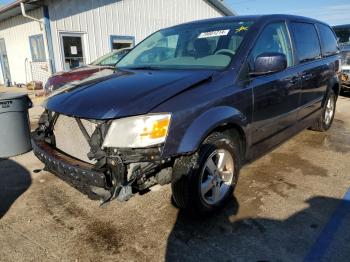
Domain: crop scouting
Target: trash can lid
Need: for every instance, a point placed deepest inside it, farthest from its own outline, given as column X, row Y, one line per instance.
column 14, row 102
column 9, row 96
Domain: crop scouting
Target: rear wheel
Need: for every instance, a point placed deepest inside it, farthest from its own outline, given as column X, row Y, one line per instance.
column 203, row 182
column 324, row 122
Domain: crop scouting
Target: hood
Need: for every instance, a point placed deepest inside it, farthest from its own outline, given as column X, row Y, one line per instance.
column 123, row 93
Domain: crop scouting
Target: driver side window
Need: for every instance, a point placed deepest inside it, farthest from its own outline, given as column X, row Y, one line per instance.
column 274, row 38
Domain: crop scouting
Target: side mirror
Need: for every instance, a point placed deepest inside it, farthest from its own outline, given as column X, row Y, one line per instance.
column 268, row 63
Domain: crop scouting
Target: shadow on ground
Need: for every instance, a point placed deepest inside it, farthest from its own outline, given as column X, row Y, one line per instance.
column 224, row 238
column 14, row 181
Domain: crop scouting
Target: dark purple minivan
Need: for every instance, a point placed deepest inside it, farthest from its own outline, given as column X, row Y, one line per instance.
column 190, row 105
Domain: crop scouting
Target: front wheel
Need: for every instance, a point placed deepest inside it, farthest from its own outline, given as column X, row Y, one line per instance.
column 324, row 122
column 203, row 182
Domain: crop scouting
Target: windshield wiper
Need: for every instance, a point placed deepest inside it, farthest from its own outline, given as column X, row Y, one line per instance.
column 143, row 68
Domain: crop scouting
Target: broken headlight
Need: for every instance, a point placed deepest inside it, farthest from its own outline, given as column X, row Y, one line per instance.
column 138, row 131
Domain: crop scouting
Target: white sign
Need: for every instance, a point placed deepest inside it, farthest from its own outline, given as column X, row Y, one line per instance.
column 214, row 33
column 73, row 50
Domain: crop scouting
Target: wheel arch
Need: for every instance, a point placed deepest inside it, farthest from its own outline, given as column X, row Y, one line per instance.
column 219, row 119
column 334, row 84
column 231, row 129
column 336, row 88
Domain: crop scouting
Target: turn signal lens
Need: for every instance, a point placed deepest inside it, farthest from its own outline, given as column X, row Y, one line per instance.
column 158, row 129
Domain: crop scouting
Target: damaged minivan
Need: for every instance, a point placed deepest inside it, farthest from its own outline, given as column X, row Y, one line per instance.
column 189, row 106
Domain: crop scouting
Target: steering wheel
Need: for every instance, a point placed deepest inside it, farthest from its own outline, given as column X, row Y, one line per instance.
column 225, row 52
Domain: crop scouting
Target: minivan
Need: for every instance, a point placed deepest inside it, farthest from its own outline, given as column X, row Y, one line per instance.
column 190, row 105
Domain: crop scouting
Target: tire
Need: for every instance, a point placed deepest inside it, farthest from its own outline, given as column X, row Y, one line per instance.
column 192, row 175
column 324, row 122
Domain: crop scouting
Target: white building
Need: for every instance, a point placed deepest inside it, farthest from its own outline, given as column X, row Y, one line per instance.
column 40, row 37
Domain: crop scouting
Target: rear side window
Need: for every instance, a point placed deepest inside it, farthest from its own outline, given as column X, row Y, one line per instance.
column 306, row 41
column 328, row 40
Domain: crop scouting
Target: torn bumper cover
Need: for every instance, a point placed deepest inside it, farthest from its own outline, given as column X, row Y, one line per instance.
column 83, row 176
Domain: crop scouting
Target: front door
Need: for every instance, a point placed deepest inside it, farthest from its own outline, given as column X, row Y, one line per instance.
column 73, row 51
column 276, row 96
column 4, row 63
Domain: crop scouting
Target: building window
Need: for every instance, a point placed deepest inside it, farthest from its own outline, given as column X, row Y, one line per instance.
column 37, row 48
column 73, row 51
column 120, row 42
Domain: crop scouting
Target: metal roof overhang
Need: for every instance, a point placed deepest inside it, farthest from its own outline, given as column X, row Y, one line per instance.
column 14, row 9
column 218, row 4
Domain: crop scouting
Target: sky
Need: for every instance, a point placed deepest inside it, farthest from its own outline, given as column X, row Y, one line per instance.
column 333, row 12
column 5, row 2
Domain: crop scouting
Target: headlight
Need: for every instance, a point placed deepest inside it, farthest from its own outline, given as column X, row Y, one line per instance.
column 138, row 131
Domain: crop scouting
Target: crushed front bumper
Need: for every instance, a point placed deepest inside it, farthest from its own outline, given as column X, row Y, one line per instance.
column 81, row 175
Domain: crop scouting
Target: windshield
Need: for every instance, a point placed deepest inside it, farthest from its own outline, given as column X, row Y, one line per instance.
column 191, row 46
column 343, row 35
column 110, row 59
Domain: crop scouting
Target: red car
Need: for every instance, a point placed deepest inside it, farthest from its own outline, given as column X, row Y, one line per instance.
column 101, row 66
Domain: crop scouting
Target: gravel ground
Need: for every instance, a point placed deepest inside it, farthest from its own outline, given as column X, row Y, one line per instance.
column 287, row 206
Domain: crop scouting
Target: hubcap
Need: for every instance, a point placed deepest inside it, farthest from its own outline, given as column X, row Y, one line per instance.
column 216, row 176
column 328, row 115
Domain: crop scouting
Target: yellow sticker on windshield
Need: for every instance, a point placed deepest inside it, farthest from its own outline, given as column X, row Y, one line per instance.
column 241, row 29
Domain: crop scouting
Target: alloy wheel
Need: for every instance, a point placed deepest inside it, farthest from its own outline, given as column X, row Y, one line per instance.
column 216, row 176
column 329, row 112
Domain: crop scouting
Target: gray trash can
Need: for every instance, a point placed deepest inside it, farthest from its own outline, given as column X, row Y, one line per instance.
column 14, row 124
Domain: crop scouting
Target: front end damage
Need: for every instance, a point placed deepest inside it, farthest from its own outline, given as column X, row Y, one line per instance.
column 71, row 148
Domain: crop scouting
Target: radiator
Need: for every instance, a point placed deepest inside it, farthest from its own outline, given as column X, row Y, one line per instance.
column 70, row 139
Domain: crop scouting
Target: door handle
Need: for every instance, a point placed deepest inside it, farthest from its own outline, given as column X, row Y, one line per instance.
column 293, row 80
column 307, row 76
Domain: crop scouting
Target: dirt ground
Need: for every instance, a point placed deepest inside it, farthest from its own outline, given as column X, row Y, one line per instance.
column 288, row 206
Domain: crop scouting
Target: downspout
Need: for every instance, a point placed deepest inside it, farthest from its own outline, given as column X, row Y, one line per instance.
column 31, row 17
column 47, row 35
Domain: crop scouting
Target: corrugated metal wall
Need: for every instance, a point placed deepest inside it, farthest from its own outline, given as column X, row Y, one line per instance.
column 98, row 19
column 16, row 32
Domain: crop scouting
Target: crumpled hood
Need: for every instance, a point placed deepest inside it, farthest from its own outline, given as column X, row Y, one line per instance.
column 123, row 93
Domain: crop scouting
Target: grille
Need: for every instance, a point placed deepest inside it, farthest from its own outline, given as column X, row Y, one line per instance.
column 71, row 140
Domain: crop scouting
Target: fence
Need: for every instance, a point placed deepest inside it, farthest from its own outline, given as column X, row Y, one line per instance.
column 38, row 71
